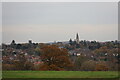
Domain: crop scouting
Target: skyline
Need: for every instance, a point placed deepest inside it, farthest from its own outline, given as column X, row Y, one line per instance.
column 48, row 22
column 77, row 36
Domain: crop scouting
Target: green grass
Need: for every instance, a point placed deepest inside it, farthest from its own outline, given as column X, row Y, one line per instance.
column 60, row 74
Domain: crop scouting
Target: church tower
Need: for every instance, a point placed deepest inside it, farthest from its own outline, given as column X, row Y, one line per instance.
column 77, row 39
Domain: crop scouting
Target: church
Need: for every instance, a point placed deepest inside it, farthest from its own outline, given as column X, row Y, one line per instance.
column 77, row 38
column 76, row 41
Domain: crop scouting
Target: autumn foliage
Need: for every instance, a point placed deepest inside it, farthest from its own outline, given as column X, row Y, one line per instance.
column 101, row 67
column 55, row 58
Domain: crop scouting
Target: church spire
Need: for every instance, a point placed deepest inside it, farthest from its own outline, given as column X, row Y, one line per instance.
column 77, row 38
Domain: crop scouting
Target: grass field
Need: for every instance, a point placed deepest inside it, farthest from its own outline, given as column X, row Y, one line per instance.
column 60, row 74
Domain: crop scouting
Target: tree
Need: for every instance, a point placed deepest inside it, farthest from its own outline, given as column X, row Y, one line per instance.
column 37, row 51
column 88, row 65
column 101, row 66
column 55, row 58
column 8, row 67
column 70, row 42
column 19, row 63
column 101, row 51
column 80, row 59
column 22, row 63
column 13, row 44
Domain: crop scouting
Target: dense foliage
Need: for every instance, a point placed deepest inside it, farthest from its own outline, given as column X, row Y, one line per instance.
column 85, row 56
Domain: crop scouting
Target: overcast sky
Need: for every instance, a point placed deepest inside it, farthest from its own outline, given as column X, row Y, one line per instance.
column 48, row 22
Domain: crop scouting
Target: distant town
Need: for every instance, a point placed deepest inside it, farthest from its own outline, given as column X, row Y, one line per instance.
column 84, row 55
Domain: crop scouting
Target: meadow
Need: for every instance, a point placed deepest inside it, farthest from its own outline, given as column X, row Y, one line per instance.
column 60, row 74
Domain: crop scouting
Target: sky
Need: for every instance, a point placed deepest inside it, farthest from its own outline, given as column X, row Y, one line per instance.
column 0, row 22
column 59, row 21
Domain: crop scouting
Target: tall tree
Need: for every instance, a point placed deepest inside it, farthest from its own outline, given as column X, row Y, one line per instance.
column 22, row 63
column 55, row 58
column 70, row 42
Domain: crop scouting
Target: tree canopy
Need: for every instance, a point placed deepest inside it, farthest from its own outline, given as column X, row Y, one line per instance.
column 55, row 58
